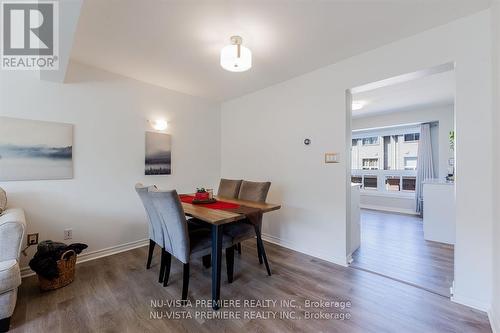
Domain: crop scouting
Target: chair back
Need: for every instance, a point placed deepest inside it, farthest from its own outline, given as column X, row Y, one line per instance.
column 155, row 229
column 229, row 188
column 173, row 221
column 254, row 191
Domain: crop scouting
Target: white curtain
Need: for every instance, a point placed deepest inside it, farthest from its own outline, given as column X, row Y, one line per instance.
column 425, row 166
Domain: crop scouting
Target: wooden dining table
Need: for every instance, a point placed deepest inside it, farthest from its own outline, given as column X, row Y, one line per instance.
column 217, row 218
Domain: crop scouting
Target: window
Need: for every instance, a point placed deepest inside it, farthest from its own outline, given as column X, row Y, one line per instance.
column 370, row 182
column 357, row 179
column 370, row 163
column 412, row 137
column 392, row 183
column 409, row 183
column 410, row 163
column 384, row 161
column 370, row 141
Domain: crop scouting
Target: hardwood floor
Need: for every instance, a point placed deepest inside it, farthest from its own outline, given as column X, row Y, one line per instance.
column 113, row 294
column 393, row 245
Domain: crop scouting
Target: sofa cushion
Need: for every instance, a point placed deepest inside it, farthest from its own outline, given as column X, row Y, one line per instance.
column 10, row 275
column 7, row 303
column 3, row 200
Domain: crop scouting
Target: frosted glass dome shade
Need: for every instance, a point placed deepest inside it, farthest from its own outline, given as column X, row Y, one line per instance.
column 234, row 60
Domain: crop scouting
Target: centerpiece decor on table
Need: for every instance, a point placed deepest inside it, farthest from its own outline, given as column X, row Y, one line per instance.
column 203, row 196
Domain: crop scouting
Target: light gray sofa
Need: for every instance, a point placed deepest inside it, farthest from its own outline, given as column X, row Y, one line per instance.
column 12, row 229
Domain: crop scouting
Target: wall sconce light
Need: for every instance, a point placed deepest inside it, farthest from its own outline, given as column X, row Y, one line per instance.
column 159, row 124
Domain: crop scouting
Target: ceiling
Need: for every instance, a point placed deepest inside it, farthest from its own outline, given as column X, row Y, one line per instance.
column 428, row 91
column 176, row 44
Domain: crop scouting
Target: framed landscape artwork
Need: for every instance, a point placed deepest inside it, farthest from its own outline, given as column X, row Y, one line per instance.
column 35, row 150
column 158, row 154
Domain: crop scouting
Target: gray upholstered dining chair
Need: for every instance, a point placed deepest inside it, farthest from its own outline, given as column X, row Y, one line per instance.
column 229, row 188
column 181, row 241
column 251, row 227
column 155, row 229
column 254, row 191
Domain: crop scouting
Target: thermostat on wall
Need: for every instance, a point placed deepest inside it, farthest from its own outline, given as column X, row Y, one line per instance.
column 331, row 158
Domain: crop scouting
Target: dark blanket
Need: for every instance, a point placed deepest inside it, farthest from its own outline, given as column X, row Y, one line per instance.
column 48, row 253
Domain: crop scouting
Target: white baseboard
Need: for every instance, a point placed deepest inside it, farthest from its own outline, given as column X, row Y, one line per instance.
column 311, row 252
column 494, row 320
column 389, row 209
column 472, row 303
column 26, row 271
column 350, row 259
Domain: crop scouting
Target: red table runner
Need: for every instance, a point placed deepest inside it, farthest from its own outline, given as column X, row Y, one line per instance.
column 221, row 205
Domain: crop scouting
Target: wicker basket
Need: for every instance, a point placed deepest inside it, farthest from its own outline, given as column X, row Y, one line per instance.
column 66, row 267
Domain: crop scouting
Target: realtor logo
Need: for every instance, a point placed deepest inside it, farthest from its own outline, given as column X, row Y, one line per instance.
column 30, row 35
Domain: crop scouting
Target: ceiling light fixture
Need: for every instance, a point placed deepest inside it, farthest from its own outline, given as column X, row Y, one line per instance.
column 357, row 105
column 235, row 57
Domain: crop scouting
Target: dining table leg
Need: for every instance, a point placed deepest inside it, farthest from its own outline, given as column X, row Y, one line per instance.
column 216, row 264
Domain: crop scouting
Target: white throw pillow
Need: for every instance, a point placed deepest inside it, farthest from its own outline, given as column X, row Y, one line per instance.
column 3, row 200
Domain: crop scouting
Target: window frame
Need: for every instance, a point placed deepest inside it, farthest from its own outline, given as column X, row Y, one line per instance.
column 402, row 181
column 414, row 137
column 381, row 177
column 370, row 188
column 405, row 158
column 370, row 144
column 398, row 177
column 377, row 167
column 374, row 161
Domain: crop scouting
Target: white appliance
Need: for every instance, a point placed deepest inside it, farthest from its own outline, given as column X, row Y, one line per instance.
column 439, row 211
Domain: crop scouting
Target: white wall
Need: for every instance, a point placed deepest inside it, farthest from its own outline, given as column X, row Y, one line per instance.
column 440, row 143
column 262, row 136
column 110, row 116
column 388, row 202
column 495, row 311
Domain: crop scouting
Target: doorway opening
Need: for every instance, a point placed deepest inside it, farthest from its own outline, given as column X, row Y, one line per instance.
column 401, row 178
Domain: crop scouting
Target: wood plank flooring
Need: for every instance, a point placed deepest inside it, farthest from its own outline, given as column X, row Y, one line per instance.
column 113, row 294
column 393, row 245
